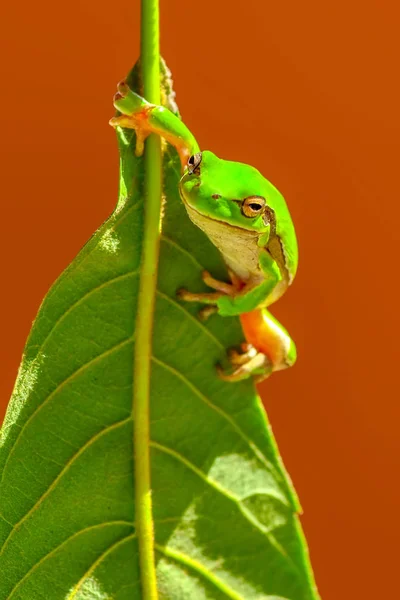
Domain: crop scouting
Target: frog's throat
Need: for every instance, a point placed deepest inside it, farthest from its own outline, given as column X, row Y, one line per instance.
column 240, row 250
column 238, row 246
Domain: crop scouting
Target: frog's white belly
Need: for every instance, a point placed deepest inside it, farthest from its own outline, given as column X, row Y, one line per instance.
column 238, row 246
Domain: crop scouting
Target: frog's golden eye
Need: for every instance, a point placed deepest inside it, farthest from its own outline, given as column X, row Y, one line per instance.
column 253, row 206
column 194, row 163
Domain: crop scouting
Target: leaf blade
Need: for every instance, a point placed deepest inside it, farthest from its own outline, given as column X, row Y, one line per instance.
column 223, row 508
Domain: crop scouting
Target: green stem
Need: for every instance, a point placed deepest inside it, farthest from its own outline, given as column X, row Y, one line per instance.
column 150, row 64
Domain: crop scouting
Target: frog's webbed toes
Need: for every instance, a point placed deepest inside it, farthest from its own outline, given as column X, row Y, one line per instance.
column 240, row 358
column 130, row 122
column 120, row 121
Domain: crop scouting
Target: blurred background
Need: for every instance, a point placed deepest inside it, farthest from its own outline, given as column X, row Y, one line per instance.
column 309, row 94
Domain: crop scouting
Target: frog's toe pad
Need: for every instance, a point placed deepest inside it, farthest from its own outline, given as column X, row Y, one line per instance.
column 247, row 364
column 247, row 352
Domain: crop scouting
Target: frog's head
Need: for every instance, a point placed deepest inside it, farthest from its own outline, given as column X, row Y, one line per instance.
column 230, row 192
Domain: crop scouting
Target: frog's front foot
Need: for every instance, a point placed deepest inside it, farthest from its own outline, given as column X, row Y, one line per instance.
column 202, row 297
column 249, row 362
column 210, row 298
column 224, row 289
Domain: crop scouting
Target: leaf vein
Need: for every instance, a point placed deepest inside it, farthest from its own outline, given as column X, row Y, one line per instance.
column 191, row 317
column 53, row 485
column 257, row 452
column 182, row 250
column 118, row 218
column 64, row 543
column 195, row 469
column 60, row 386
column 247, row 514
column 199, row 568
column 97, row 563
column 79, row 302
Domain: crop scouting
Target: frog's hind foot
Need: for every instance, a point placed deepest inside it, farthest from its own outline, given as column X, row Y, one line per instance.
column 245, row 364
column 247, row 352
column 146, row 118
column 135, row 113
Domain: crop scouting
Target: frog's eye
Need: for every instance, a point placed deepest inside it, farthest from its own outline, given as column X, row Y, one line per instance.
column 253, row 206
column 194, row 163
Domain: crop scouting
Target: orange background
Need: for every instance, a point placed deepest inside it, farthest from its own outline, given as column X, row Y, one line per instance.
column 309, row 93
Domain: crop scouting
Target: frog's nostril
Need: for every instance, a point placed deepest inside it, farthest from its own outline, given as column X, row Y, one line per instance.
column 216, row 196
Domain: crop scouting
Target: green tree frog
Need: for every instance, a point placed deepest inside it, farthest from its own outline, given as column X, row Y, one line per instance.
column 247, row 219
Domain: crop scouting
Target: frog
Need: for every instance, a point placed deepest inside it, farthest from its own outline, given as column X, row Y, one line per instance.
column 249, row 222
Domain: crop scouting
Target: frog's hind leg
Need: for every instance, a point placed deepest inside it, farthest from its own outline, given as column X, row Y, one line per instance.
column 269, row 348
column 269, row 337
column 146, row 118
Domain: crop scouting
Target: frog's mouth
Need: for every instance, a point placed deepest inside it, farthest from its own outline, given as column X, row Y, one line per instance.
column 217, row 230
column 201, row 219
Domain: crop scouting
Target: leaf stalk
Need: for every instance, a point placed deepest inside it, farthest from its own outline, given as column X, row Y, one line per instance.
column 150, row 63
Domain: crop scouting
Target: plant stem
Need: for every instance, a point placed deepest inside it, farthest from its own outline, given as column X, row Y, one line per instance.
column 150, row 64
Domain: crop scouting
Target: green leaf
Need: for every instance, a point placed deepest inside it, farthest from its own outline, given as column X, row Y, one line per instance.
column 223, row 508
